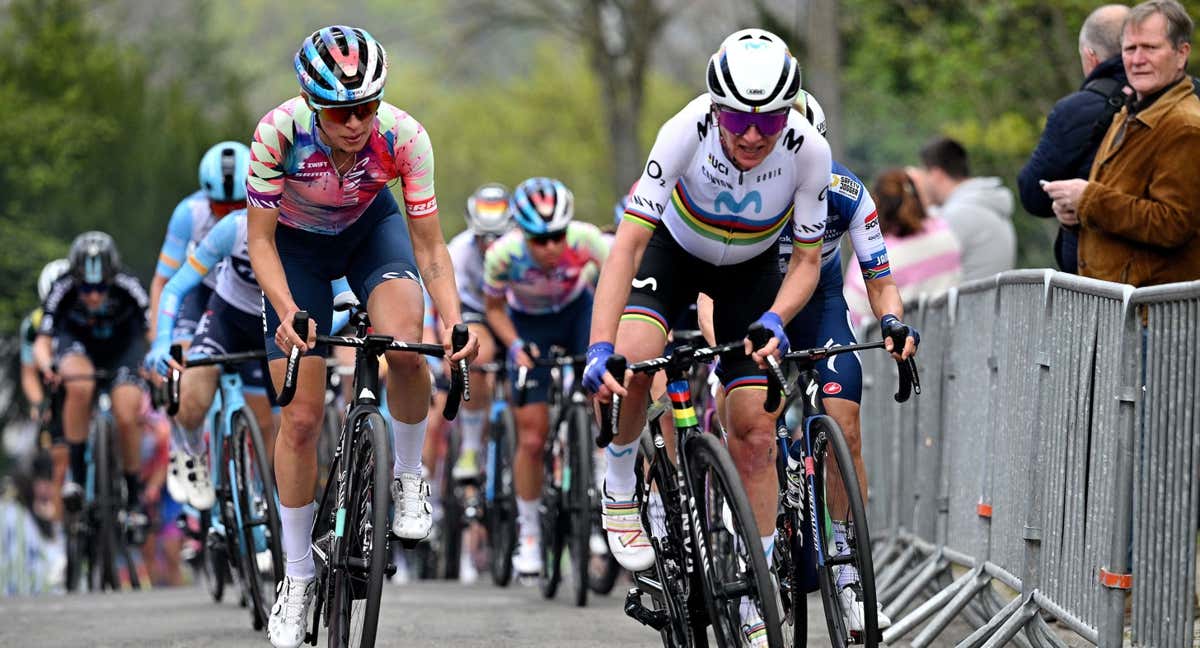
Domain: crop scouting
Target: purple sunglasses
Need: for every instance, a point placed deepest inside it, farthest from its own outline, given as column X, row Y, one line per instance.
column 738, row 122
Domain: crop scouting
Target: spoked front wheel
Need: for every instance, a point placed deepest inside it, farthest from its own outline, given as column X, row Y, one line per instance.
column 848, row 625
column 261, row 554
column 580, row 489
column 740, row 596
column 502, row 501
column 363, row 554
column 663, row 518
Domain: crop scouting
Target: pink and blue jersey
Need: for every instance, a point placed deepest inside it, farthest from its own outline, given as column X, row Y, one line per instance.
column 292, row 170
column 509, row 270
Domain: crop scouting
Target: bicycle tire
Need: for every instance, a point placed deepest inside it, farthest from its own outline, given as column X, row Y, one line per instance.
column 824, row 432
column 213, row 560
column 502, row 509
column 452, row 509
column 327, row 444
column 106, row 506
column 257, row 508
column 357, row 591
column 714, row 476
column 580, row 494
column 670, row 566
column 551, row 517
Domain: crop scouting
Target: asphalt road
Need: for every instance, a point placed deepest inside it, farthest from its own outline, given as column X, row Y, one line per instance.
column 424, row 614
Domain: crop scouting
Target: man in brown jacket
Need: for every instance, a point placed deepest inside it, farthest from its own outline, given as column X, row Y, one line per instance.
column 1140, row 207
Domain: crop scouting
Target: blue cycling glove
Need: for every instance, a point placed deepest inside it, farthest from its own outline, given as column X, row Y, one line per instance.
column 890, row 323
column 514, row 350
column 597, row 357
column 156, row 358
column 774, row 324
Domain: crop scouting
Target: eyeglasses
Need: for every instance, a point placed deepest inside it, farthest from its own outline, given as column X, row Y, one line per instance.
column 738, row 122
column 342, row 114
column 546, row 239
column 93, row 288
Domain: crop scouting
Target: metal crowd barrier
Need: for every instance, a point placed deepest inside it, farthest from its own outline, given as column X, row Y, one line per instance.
column 1034, row 466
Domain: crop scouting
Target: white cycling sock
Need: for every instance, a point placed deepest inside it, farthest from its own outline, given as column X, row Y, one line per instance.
column 768, row 545
column 846, row 574
column 296, row 538
column 408, row 439
column 619, row 476
column 471, row 423
column 528, row 517
column 189, row 441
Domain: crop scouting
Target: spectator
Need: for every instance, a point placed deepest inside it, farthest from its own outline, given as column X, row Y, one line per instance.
column 1140, row 207
column 924, row 254
column 1078, row 123
column 978, row 210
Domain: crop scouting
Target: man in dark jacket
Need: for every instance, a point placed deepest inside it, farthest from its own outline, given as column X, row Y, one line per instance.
column 1078, row 123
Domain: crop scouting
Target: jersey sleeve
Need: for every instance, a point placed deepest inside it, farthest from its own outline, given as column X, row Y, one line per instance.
column 217, row 244
column 673, row 148
column 273, row 138
column 865, row 234
column 413, row 152
column 814, row 166
column 496, row 264
column 174, row 247
column 57, row 303
column 139, row 301
column 591, row 239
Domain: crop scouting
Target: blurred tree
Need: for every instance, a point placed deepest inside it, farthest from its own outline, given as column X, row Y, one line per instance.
column 617, row 37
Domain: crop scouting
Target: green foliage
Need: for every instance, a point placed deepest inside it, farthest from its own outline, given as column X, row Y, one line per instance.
column 985, row 72
column 101, row 134
column 28, row 250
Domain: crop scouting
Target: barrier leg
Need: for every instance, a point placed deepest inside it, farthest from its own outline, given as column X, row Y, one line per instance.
column 899, row 601
column 885, row 577
column 1017, row 618
column 979, row 580
column 909, row 622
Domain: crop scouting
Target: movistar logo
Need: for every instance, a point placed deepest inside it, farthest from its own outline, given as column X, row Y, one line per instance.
column 642, row 283
column 733, row 206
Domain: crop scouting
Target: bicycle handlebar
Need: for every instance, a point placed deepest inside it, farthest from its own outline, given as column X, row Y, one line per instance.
column 460, row 389
column 174, row 375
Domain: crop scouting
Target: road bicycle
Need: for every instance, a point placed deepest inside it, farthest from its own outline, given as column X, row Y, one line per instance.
column 808, row 461
column 708, row 560
column 351, row 529
column 243, row 536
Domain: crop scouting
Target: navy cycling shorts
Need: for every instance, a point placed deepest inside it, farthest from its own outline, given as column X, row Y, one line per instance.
column 568, row 328
column 120, row 355
column 191, row 309
column 825, row 321
column 224, row 329
column 372, row 250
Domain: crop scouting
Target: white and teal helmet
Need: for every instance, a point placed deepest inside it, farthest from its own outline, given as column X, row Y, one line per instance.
column 753, row 72
column 50, row 273
column 542, row 206
column 223, row 171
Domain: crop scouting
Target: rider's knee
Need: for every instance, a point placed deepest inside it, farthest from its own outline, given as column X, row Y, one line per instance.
column 79, row 391
column 301, row 425
column 408, row 364
column 753, row 446
column 531, row 442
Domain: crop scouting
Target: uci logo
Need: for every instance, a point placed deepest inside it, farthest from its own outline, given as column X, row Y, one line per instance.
column 733, row 206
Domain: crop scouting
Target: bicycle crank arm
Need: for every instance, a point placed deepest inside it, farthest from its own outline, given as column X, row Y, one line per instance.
column 656, row 619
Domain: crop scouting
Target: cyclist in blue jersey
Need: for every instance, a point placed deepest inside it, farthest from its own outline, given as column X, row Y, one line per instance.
column 231, row 323
column 222, row 190
column 95, row 318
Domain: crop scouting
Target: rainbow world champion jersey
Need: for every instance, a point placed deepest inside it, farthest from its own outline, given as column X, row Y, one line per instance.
column 510, row 271
column 292, row 169
column 723, row 215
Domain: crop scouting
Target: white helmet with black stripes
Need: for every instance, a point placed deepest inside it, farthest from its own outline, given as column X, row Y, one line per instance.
column 753, row 72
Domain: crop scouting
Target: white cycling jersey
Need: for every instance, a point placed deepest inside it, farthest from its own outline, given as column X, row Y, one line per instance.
column 723, row 215
column 468, row 269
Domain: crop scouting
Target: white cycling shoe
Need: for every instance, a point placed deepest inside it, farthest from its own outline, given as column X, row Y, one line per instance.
column 288, row 624
column 852, row 603
column 528, row 559
column 627, row 540
column 753, row 627
column 194, row 480
column 412, row 514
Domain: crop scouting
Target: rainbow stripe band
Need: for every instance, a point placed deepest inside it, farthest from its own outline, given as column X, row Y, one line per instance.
column 643, row 314
column 681, row 402
column 727, row 228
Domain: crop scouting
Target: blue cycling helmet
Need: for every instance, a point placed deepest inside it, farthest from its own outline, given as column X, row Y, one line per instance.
column 223, row 171
column 619, row 210
column 542, row 206
column 341, row 66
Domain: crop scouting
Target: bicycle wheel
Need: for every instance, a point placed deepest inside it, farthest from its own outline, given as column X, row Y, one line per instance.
column 734, row 567
column 580, row 493
column 825, row 435
column 258, row 516
column 663, row 518
column 552, row 514
column 452, row 509
column 502, row 501
column 358, row 582
column 106, row 505
column 212, row 558
column 327, row 444
column 793, row 562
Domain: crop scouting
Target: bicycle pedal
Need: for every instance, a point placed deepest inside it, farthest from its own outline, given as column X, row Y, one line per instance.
column 656, row 619
column 390, row 570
